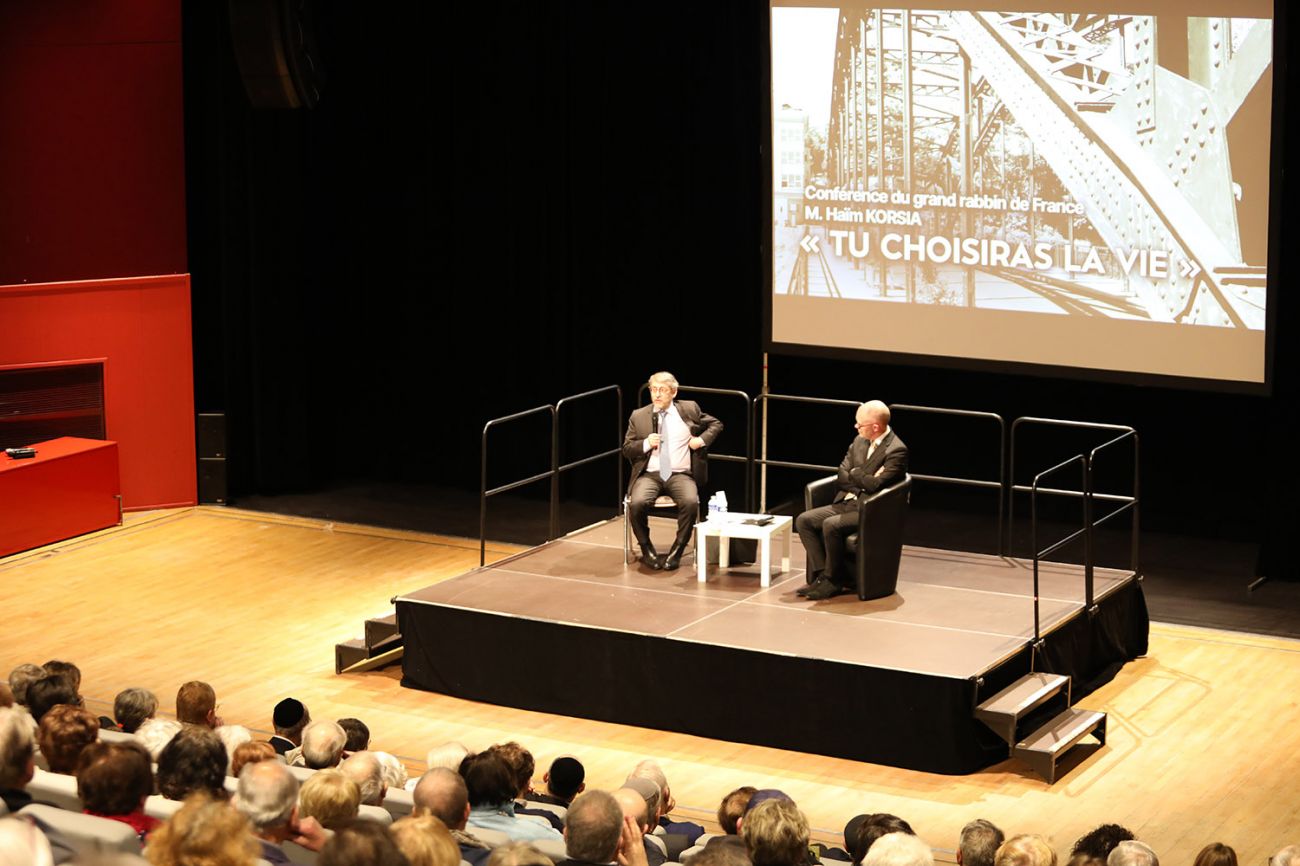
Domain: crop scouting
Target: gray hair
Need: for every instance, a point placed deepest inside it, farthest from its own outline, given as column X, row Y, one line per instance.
column 877, row 410
column 364, row 769
column 518, row 854
column 267, row 794
column 132, row 706
column 1288, row 856
column 1132, row 853
column 394, row 770
column 322, row 744
column 899, row 849
column 650, row 769
column 21, row 677
column 23, row 842
column 16, row 746
column 663, row 377
column 448, row 756
column 232, row 737
column 979, row 843
column 155, row 734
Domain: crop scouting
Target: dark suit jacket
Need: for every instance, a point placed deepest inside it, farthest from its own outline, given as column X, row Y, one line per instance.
column 858, row 474
column 639, row 426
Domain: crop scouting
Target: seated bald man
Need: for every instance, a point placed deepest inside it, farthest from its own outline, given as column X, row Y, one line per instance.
column 667, row 444
column 876, row 459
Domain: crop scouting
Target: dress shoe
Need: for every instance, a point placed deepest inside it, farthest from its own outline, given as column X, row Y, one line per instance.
column 674, row 559
column 823, row 589
column 651, row 559
column 812, row 577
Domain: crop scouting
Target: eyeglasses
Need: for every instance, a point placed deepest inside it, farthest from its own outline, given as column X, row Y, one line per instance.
column 660, row 389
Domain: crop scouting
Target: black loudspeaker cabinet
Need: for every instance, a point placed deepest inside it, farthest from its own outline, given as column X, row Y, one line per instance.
column 212, row 434
column 212, row 480
column 275, row 47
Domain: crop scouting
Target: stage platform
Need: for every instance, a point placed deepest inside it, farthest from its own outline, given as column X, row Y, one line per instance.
column 567, row 628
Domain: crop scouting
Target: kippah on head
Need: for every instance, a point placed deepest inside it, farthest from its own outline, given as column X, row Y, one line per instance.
column 764, row 794
column 567, row 774
column 288, row 713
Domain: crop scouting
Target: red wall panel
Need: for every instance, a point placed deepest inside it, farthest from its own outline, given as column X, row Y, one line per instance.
column 92, row 151
column 141, row 326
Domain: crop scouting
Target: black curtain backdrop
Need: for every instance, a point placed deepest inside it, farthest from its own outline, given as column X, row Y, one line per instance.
column 495, row 206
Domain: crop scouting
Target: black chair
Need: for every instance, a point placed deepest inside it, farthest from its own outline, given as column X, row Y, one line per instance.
column 877, row 546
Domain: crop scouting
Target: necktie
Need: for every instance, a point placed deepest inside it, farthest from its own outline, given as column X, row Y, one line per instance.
column 665, row 451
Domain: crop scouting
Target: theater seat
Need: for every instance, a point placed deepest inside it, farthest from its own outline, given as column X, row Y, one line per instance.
column 377, row 814
column 107, row 736
column 882, row 517
column 398, row 803
column 55, row 788
column 86, row 833
column 158, row 806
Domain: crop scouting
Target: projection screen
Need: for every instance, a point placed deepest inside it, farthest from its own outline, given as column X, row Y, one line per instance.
column 1085, row 190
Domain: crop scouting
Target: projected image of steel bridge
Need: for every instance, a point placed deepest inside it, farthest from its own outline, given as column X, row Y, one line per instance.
column 1104, row 143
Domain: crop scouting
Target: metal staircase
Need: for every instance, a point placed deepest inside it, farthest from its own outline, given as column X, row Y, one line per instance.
column 1023, row 703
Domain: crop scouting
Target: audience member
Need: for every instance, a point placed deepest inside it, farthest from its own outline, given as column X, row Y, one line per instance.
column 364, row 843
column 564, row 781
column 232, row 737
column 862, row 831
column 113, row 781
column 899, row 849
column 1082, row 859
column 393, row 769
column 364, row 769
column 358, row 735
column 442, row 793
column 331, row 798
column 722, row 855
column 1100, row 841
column 1216, row 854
column 979, row 843
column 64, row 669
column 492, row 787
column 1288, row 856
column 194, row 760
column 206, row 831
column 638, row 802
column 322, row 745
column 17, row 752
column 776, row 833
column 1130, row 852
column 732, row 807
column 23, row 844
column 196, row 704
column 249, row 753
column 289, row 718
column 449, row 755
column 65, row 731
column 426, row 842
column 49, row 691
column 6, row 695
column 518, row 854
column 268, row 797
column 132, row 707
column 594, row 829
column 21, row 677
column 650, row 769
column 155, row 734
column 521, row 764
column 1027, row 849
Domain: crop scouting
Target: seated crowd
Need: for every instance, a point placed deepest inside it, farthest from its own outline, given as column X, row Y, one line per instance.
column 198, row 791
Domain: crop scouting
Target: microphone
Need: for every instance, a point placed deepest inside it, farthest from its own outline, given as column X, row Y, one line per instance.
column 654, row 422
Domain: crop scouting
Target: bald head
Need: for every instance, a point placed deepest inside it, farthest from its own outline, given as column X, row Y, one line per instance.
column 874, row 415
column 633, row 806
column 442, row 794
column 364, row 769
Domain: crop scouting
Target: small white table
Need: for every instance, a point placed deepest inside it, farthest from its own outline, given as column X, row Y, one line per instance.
column 729, row 525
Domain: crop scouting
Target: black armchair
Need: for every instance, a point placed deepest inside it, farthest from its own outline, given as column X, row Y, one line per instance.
column 877, row 546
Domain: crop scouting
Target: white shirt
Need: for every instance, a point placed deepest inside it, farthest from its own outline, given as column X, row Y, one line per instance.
column 679, row 441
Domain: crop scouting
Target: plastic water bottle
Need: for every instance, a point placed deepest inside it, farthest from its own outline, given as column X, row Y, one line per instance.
column 722, row 501
column 713, row 507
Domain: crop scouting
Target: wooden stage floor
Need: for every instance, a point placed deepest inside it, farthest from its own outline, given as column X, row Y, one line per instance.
column 1198, row 745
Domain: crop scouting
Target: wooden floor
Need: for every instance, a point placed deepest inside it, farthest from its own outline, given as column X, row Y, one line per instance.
column 1203, row 738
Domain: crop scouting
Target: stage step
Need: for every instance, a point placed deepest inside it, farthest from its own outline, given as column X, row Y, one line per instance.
column 1003, row 711
column 381, row 638
column 1042, row 749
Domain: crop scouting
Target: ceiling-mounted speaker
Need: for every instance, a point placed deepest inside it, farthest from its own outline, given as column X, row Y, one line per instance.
column 275, row 46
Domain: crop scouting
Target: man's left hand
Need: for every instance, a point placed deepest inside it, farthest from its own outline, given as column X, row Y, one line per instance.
column 696, row 443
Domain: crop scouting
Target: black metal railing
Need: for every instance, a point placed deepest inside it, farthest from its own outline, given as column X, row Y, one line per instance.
column 560, row 469
column 484, row 494
column 1083, row 531
column 761, row 463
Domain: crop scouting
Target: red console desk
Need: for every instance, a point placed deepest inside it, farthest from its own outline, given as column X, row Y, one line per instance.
column 70, row 487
